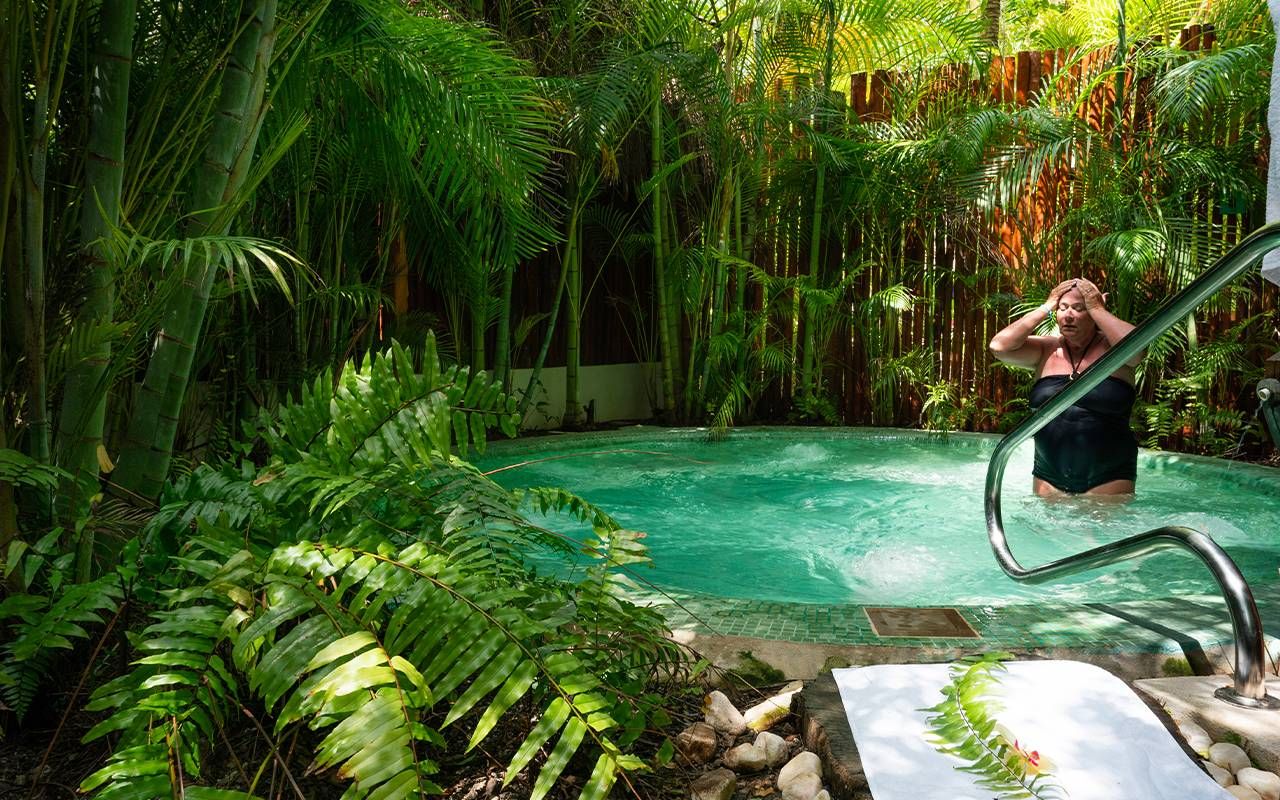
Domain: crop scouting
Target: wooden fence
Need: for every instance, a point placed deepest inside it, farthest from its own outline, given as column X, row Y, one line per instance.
column 959, row 265
column 953, row 264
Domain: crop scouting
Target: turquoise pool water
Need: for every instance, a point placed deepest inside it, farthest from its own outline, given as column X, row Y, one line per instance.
column 876, row 516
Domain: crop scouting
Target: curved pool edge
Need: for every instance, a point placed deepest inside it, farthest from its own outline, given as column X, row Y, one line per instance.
column 1190, row 627
column 1241, row 472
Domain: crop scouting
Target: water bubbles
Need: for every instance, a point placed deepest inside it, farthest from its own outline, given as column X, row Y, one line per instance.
column 868, row 517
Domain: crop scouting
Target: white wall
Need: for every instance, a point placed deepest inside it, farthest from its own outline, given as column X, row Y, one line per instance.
column 621, row 391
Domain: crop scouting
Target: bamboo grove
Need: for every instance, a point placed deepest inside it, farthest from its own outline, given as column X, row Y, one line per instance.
column 218, row 219
column 292, row 167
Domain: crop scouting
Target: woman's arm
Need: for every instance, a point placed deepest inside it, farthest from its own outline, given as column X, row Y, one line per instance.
column 1015, row 345
column 1111, row 326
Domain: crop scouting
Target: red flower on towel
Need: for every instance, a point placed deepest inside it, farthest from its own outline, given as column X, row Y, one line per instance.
column 1032, row 762
column 1035, row 763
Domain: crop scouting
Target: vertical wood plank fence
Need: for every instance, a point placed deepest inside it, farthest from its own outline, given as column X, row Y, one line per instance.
column 955, row 269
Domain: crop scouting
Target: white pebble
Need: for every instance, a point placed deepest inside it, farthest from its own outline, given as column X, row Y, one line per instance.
column 722, row 714
column 1219, row 774
column 802, row 763
column 773, row 746
column 1197, row 738
column 1229, row 756
column 1242, row 793
column 745, row 758
column 1266, row 784
column 806, row 786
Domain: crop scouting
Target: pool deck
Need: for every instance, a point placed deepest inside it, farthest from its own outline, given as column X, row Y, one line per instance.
column 1146, row 632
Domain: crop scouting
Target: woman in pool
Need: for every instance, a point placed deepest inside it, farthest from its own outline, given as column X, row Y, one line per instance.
column 1089, row 448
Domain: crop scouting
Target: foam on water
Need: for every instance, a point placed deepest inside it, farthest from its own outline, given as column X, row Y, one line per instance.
column 879, row 519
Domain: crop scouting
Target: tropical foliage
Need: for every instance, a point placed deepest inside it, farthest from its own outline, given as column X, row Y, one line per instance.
column 213, row 214
column 371, row 586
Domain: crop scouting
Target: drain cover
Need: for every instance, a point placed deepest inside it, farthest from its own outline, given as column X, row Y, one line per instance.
column 939, row 623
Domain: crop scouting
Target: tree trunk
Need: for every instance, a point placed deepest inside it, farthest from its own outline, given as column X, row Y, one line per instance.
column 400, row 273
column 1122, row 55
column 144, row 463
column 479, row 313
column 11, row 333
column 807, row 382
column 33, row 176
column 573, row 328
column 502, row 347
column 84, row 398
column 665, row 345
column 991, row 12
column 546, row 338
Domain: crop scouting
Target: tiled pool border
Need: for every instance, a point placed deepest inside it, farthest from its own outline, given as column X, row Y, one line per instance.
column 1162, row 626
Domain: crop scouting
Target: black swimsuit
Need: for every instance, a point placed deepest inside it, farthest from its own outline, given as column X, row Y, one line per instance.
column 1090, row 443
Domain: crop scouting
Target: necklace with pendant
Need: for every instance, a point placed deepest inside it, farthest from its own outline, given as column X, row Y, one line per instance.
column 1075, row 362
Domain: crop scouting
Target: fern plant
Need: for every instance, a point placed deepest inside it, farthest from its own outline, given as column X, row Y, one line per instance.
column 964, row 725
column 370, row 585
column 43, row 611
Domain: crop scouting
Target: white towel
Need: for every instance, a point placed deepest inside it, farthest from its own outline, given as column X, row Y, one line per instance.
column 1104, row 742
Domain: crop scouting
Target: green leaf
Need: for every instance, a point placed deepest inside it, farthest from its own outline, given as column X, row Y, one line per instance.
column 570, row 738
column 602, row 778
column 498, row 670
column 552, row 718
column 343, row 647
column 207, row 793
column 519, row 681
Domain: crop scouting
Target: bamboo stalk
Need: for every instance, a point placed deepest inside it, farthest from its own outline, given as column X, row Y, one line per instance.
column 666, row 344
column 84, row 399
column 144, row 462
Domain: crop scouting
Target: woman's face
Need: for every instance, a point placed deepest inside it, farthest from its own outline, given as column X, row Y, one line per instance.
column 1073, row 319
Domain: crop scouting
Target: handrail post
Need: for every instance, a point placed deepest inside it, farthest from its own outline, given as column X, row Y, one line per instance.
column 1249, row 689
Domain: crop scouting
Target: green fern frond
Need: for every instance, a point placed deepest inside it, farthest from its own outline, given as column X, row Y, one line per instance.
column 963, row 725
column 20, row 469
column 38, row 626
column 368, row 580
column 548, row 499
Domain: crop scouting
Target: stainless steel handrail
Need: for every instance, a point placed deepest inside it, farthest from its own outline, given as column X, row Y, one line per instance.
column 1250, row 684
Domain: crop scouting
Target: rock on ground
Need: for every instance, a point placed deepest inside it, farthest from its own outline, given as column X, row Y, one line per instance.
column 1229, row 756
column 697, row 743
column 1222, row 776
column 804, row 786
column 745, row 758
column 1266, row 784
column 1196, row 737
column 803, row 762
column 774, row 748
column 719, row 784
column 721, row 714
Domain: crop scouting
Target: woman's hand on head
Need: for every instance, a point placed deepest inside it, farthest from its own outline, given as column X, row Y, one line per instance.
column 1094, row 299
column 1051, row 304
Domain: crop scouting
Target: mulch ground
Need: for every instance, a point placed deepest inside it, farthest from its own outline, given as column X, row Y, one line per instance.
column 476, row 775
